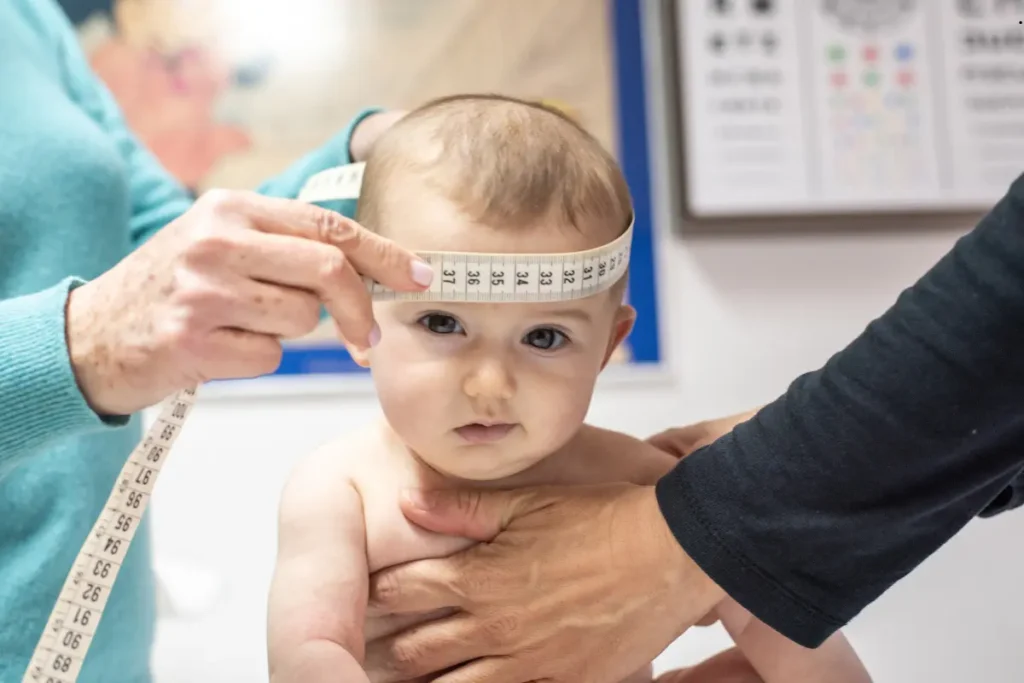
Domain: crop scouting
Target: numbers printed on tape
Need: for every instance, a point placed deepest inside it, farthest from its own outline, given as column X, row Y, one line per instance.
column 460, row 276
column 492, row 278
column 62, row 648
column 521, row 278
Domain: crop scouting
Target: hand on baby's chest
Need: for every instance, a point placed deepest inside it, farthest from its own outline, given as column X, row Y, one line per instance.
column 391, row 540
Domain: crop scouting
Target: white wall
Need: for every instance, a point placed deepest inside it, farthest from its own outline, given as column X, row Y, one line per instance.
column 745, row 316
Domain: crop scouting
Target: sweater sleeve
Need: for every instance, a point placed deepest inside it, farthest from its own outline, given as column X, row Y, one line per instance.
column 156, row 197
column 862, row 469
column 39, row 397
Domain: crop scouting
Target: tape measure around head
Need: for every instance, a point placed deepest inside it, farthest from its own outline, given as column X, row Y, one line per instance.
column 472, row 277
column 490, row 278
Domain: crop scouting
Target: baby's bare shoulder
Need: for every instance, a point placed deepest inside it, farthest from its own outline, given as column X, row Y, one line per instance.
column 602, row 456
column 342, row 455
column 315, row 479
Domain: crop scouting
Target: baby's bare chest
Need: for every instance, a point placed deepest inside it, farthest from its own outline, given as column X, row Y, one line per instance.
column 392, row 540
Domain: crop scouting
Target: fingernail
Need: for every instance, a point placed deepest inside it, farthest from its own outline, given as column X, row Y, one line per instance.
column 375, row 335
column 422, row 273
column 421, row 500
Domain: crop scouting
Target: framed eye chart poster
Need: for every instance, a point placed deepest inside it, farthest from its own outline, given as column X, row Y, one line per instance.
column 227, row 93
column 850, row 106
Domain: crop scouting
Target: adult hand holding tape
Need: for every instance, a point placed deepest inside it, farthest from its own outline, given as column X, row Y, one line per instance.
column 211, row 295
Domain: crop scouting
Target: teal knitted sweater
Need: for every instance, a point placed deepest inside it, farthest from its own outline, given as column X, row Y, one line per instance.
column 77, row 194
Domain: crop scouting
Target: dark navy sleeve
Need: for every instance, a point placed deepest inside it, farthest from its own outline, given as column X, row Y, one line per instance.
column 1010, row 498
column 835, row 491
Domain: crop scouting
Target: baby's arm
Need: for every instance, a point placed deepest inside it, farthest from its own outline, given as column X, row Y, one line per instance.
column 777, row 659
column 318, row 594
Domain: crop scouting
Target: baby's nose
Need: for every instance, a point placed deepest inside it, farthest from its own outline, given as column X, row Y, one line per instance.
column 490, row 379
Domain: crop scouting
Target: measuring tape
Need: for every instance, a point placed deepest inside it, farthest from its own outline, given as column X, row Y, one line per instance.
column 491, row 278
column 61, row 651
column 458, row 276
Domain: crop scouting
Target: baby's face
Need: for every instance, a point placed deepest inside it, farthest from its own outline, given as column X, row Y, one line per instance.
column 482, row 391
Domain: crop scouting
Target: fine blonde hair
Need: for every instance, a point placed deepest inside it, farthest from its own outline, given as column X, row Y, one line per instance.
column 502, row 161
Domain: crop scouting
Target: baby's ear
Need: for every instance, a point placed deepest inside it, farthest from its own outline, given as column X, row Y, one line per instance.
column 622, row 325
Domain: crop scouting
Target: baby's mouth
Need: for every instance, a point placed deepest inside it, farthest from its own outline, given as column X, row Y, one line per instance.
column 477, row 432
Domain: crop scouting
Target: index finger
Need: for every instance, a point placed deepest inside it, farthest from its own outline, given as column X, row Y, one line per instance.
column 369, row 253
column 476, row 514
column 420, row 586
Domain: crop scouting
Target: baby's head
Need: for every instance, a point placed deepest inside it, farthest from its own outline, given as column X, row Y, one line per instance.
column 485, row 390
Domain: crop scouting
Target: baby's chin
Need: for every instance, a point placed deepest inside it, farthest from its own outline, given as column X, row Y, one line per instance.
column 473, row 459
column 477, row 464
column 485, row 462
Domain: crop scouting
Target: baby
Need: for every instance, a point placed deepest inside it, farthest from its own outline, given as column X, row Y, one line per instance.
column 475, row 394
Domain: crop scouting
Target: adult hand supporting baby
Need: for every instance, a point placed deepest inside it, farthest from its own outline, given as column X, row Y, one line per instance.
column 576, row 584
column 683, row 441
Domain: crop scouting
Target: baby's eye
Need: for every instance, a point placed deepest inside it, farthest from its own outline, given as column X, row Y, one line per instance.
column 546, row 339
column 439, row 323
